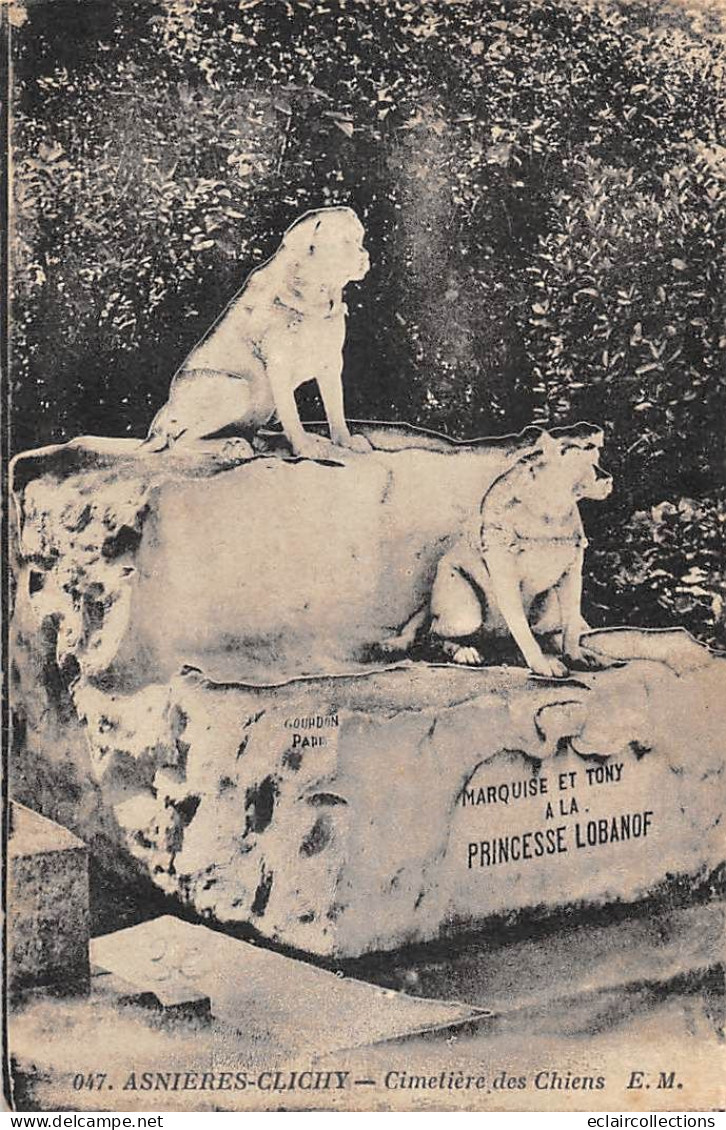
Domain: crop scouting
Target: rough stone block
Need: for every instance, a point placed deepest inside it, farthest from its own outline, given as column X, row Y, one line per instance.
column 139, row 563
column 195, row 698
column 47, row 904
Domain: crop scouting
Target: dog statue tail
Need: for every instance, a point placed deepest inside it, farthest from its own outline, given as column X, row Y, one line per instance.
column 156, row 442
column 404, row 639
column 163, row 432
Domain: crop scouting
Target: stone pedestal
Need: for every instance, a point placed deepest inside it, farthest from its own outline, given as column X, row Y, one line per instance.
column 194, row 697
column 47, row 905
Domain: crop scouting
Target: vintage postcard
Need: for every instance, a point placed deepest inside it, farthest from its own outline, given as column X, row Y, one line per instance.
column 366, row 664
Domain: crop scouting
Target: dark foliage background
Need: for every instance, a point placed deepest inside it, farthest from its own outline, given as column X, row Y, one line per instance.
column 542, row 182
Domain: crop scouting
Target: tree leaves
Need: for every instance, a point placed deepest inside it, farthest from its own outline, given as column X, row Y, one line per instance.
column 543, row 186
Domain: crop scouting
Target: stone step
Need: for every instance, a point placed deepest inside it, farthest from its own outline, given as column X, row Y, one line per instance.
column 567, row 969
column 48, row 912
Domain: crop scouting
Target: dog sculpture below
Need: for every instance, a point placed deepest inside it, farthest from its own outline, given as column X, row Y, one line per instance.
column 519, row 573
column 285, row 327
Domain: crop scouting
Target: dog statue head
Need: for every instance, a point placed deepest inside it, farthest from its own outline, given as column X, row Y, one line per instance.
column 573, row 455
column 324, row 248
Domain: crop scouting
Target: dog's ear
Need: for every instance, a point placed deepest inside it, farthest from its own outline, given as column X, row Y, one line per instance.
column 299, row 240
column 548, row 444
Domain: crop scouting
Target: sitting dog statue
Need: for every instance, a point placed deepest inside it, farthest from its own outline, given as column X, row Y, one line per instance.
column 518, row 573
column 284, row 327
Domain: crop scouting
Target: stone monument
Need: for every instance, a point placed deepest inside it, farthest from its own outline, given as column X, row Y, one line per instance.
column 203, row 693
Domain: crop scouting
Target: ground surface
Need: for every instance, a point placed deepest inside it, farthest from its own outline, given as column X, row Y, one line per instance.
column 643, row 994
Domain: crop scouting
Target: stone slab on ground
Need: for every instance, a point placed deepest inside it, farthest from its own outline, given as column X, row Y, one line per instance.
column 257, row 989
column 173, row 1000
column 47, row 904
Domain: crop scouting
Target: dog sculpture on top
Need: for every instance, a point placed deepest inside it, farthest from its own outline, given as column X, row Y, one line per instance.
column 284, row 327
column 518, row 573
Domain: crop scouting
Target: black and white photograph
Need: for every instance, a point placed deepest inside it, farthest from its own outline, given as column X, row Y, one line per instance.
column 364, row 563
